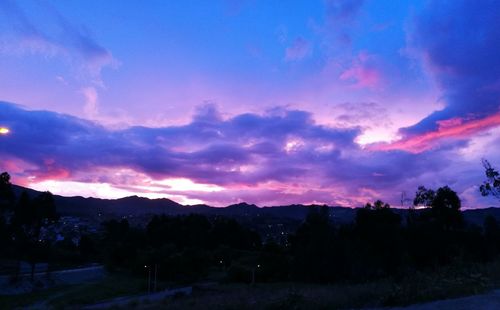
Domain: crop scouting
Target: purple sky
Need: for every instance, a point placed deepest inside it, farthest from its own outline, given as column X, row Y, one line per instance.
column 325, row 101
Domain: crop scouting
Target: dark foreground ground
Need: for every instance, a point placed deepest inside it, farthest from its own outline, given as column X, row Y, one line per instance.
column 124, row 292
column 488, row 301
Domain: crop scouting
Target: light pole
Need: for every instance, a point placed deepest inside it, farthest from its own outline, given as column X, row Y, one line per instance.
column 156, row 272
column 253, row 274
column 149, row 278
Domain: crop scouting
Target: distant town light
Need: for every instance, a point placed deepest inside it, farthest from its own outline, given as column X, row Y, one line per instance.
column 4, row 130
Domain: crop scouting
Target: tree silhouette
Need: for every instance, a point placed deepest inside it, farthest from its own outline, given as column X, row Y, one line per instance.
column 444, row 205
column 314, row 249
column 378, row 231
column 424, row 197
column 30, row 217
column 6, row 204
column 7, row 197
column 377, row 205
column 492, row 184
column 376, row 217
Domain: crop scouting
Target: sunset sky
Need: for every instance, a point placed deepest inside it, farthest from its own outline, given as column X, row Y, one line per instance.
column 269, row 102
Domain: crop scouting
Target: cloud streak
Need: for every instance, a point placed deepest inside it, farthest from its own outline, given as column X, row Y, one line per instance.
column 58, row 37
column 454, row 129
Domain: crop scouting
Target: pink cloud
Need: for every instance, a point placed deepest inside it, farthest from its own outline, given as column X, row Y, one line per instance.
column 455, row 128
column 363, row 73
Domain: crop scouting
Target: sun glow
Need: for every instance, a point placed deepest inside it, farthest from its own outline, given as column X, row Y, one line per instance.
column 105, row 190
column 4, row 130
column 376, row 135
column 183, row 184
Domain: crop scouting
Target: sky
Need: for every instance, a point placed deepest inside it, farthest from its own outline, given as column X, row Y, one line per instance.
column 338, row 102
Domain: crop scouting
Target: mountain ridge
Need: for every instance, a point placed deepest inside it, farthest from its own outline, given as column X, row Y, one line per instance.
column 138, row 206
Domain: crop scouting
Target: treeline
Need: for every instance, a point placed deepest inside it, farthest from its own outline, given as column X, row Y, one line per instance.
column 379, row 243
column 183, row 248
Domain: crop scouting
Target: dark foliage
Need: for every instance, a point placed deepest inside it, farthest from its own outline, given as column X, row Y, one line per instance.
column 23, row 224
column 313, row 248
column 492, row 184
column 7, row 198
column 183, row 248
column 443, row 207
column 379, row 243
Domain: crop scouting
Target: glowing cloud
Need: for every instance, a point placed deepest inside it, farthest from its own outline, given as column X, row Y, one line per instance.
column 450, row 129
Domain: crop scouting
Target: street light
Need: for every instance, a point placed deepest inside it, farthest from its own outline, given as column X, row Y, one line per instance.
column 149, row 278
column 4, row 130
column 156, row 272
column 253, row 274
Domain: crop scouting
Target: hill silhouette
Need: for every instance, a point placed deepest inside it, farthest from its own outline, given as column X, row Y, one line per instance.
column 137, row 206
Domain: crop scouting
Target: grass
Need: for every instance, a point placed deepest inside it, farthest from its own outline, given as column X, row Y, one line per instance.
column 24, row 300
column 7, row 266
column 66, row 297
column 279, row 296
column 110, row 287
column 455, row 281
column 449, row 282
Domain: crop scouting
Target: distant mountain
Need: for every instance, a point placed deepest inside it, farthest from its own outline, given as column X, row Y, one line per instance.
column 91, row 207
column 137, row 206
column 477, row 216
column 140, row 206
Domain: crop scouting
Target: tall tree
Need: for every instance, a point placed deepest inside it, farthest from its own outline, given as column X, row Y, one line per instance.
column 6, row 194
column 313, row 247
column 7, row 200
column 444, row 205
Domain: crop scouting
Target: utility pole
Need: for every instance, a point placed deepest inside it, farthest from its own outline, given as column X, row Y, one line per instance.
column 156, row 272
column 253, row 274
column 149, row 278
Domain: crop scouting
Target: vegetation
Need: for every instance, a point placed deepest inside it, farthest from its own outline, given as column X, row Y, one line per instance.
column 24, row 237
column 383, row 257
column 492, row 184
column 379, row 244
column 61, row 297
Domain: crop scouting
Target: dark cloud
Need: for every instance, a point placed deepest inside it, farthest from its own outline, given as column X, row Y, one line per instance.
column 279, row 156
column 208, row 149
column 460, row 43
